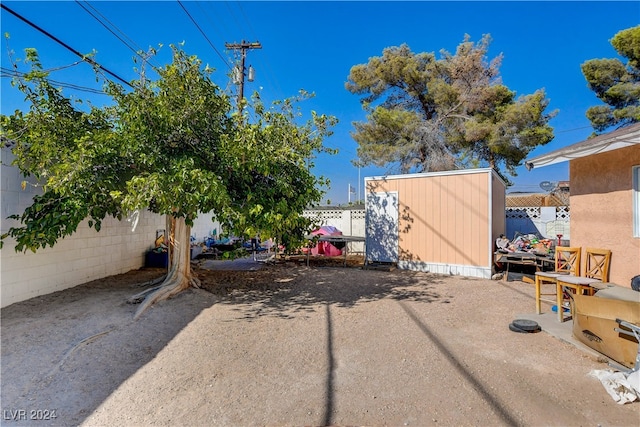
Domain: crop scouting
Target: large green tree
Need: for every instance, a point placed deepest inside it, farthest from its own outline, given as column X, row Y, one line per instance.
column 430, row 114
column 615, row 83
column 173, row 146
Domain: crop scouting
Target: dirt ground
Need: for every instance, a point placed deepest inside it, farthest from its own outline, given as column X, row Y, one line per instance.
column 291, row 345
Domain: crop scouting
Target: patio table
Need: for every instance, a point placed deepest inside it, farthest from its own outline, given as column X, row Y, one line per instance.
column 540, row 262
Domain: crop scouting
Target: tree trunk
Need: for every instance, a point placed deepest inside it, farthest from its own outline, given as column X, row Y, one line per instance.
column 492, row 161
column 179, row 276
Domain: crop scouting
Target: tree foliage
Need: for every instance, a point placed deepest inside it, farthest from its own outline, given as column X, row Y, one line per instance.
column 429, row 114
column 173, row 146
column 616, row 84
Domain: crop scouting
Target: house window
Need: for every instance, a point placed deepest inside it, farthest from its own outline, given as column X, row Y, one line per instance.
column 636, row 201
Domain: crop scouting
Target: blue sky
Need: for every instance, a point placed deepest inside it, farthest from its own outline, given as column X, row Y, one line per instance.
column 312, row 46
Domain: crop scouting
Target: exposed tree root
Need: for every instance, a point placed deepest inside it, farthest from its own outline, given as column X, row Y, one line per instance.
column 138, row 298
column 153, row 282
column 179, row 277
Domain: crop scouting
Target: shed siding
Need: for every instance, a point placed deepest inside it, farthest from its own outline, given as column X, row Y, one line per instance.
column 601, row 208
column 445, row 220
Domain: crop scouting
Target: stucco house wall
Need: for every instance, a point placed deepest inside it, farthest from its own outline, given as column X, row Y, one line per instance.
column 447, row 221
column 602, row 208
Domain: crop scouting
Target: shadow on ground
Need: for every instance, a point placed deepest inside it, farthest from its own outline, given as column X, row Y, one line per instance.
column 287, row 290
column 68, row 351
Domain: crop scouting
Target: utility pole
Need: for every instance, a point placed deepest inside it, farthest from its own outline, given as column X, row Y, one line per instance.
column 240, row 73
column 359, row 198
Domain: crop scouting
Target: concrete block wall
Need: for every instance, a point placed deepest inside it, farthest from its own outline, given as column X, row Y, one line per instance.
column 203, row 227
column 84, row 256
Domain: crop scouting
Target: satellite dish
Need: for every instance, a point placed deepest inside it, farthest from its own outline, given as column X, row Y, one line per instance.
column 547, row 185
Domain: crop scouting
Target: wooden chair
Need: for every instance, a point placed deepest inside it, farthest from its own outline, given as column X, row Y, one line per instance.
column 567, row 262
column 596, row 270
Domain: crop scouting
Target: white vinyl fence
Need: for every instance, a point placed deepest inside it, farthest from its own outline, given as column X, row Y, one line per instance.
column 547, row 222
column 349, row 222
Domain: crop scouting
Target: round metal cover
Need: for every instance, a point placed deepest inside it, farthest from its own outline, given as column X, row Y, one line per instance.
column 527, row 325
column 524, row 325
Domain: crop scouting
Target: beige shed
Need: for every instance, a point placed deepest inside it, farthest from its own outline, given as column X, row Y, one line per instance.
column 441, row 222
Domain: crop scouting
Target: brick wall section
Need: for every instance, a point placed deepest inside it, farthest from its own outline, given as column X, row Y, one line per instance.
column 84, row 256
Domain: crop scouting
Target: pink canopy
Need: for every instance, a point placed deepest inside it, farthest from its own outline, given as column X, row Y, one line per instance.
column 326, row 248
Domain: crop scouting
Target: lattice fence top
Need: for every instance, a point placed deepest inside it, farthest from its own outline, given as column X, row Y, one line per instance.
column 535, row 200
column 358, row 214
column 522, row 213
column 562, row 199
column 328, row 214
column 323, row 214
column 562, row 213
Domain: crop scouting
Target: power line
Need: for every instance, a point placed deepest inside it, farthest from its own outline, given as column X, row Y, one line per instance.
column 218, row 27
column 7, row 72
column 246, row 19
column 574, row 129
column 266, row 66
column 135, row 49
column 84, row 57
column 204, row 35
column 233, row 16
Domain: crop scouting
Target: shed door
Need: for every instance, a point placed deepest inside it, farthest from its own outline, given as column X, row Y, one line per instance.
column 382, row 227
